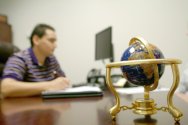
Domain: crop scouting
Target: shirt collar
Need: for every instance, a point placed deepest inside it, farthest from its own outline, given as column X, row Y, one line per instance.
column 34, row 58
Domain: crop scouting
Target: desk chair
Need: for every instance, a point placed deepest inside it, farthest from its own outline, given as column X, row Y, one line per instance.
column 6, row 50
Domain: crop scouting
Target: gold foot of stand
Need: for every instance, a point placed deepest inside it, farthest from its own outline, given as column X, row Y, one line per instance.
column 146, row 105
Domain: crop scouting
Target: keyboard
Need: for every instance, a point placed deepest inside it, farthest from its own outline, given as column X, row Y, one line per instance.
column 82, row 91
column 85, row 84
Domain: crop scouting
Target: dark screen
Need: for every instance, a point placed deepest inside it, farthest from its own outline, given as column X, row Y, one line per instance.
column 103, row 45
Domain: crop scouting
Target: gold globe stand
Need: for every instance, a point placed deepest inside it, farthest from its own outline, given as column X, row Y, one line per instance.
column 146, row 105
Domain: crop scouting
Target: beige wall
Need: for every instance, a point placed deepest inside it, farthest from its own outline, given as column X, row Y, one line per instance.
column 161, row 22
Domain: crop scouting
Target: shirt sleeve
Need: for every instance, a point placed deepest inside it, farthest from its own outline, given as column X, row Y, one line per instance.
column 14, row 68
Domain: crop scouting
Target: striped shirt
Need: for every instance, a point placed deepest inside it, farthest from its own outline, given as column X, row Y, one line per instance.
column 23, row 66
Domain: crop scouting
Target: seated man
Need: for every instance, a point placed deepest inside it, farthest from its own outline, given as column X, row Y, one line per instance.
column 31, row 71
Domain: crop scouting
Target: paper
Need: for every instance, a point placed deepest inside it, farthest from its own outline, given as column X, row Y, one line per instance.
column 80, row 89
column 134, row 90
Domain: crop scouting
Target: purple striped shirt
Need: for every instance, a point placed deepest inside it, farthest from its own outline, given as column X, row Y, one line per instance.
column 23, row 66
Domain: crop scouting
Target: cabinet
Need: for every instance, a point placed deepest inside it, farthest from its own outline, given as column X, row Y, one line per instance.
column 5, row 30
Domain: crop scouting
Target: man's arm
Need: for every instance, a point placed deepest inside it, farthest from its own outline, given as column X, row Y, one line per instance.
column 13, row 88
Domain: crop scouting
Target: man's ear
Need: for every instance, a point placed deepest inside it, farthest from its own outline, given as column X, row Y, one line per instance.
column 35, row 40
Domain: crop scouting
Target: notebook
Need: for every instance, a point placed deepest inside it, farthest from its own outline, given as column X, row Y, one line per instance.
column 82, row 91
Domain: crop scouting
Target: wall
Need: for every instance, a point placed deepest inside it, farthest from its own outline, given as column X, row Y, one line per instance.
column 161, row 22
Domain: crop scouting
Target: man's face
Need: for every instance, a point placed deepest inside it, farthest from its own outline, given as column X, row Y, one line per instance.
column 47, row 43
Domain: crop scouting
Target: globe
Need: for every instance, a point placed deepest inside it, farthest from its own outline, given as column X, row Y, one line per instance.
column 141, row 75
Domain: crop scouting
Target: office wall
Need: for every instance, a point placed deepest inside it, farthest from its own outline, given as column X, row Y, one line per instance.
column 161, row 22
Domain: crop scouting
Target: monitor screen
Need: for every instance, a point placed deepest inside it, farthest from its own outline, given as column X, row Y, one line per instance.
column 103, row 45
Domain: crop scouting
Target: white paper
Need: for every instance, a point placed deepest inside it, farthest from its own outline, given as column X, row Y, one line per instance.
column 76, row 90
column 134, row 90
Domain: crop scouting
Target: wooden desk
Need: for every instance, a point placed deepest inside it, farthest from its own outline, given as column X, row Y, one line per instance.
column 82, row 111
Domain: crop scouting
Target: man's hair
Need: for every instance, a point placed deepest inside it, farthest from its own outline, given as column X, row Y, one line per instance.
column 40, row 31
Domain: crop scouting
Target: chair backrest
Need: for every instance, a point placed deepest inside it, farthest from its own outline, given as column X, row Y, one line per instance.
column 6, row 50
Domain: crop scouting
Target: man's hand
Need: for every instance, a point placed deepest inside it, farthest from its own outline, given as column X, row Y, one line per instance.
column 59, row 83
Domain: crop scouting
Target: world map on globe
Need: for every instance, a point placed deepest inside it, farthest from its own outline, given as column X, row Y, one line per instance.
column 141, row 74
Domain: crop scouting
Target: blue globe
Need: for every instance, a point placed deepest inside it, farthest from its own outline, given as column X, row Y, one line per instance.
column 141, row 74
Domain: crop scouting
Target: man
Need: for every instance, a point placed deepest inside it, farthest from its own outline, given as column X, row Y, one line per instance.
column 31, row 71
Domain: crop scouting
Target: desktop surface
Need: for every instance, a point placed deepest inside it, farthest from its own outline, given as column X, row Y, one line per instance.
column 84, row 111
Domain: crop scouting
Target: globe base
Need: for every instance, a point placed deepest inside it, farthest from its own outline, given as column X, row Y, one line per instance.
column 144, row 106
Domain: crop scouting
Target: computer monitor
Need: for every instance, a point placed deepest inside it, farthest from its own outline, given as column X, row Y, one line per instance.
column 103, row 45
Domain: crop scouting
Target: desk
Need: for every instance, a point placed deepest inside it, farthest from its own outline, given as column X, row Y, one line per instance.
column 82, row 111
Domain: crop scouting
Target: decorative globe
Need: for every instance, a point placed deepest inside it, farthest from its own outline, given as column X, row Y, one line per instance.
column 141, row 75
